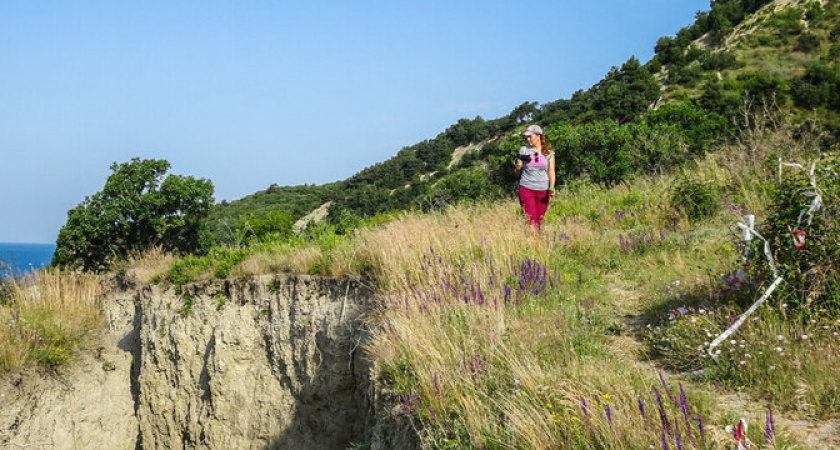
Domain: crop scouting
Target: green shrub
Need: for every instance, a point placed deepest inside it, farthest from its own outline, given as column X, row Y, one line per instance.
column 834, row 52
column 787, row 22
column 698, row 126
column 220, row 261
column 807, row 42
column 810, row 272
column 598, row 149
column 819, row 86
column 685, row 75
column 718, row 60
column 697, row 199
column 465, row 184
column 814, row 12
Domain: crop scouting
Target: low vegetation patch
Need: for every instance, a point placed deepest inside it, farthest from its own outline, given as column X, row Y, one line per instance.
column 48, row 315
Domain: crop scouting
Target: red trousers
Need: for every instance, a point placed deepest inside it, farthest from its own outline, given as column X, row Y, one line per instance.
column 534, row 204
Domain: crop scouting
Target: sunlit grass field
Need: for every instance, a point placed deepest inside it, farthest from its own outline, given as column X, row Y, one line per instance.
column 491, row 336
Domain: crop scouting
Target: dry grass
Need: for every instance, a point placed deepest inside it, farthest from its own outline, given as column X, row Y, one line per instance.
column 513, row 376
column 467, row 232
column 153, row 261
column 50, row 313
column 295, row 261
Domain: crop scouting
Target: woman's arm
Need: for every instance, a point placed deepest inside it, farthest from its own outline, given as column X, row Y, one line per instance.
column 551, row 176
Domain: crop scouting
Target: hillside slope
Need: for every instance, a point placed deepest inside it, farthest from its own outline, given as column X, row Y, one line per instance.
column 740, row 52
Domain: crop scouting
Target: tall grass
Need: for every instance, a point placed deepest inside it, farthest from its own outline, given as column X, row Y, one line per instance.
column 48, row 315
column 149, row 263
column 492, row 336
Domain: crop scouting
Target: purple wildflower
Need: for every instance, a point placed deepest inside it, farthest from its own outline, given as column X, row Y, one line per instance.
column 416, row 401
column 608, row 411
column 407, row 407
column 642, row 410
column 664, row 442
column 702, row 429
column 663, row 416
column 677, row 435
column 770, row 428
column 667, row 389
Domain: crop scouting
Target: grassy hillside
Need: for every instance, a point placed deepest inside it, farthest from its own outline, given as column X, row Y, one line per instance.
column 595, row 333
column 737, row 58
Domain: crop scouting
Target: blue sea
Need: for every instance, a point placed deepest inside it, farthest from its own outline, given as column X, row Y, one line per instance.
column 17, row 258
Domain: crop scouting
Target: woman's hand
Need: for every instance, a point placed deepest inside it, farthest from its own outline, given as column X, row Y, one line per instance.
column 517, row 164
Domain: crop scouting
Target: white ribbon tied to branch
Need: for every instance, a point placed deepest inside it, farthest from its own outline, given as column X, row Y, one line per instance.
column 749, row 231
column 815, row 194
column 748, row 227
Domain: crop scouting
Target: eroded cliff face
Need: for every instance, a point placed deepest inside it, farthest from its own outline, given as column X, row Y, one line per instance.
column 268, row 362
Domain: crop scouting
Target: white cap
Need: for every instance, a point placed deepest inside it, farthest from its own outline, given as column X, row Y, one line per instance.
column 533, row 129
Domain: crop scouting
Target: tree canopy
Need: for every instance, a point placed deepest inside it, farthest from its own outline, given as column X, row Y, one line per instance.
column 138, row 207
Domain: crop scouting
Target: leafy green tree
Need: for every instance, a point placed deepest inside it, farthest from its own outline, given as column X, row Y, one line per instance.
column 597, row 149
column 524, row 112
column 625, row 93
column 277, row 224
column 138, row 208
column 819, row 86
column 698, row 127
column 464, row 184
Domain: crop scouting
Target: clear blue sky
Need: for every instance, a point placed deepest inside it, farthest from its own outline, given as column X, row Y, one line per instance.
column 290, row 92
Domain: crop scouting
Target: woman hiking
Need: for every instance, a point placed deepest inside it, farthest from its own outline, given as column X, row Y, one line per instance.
column 534, row 165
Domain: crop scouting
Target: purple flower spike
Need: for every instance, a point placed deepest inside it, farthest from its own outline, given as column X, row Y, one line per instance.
column 770, row 427
column 416, row 401
column 702, row 429
column 407, row 407
column 667, row 389
column 664, row 442
column 663, row 416
column 642, row 410
column 608, row 411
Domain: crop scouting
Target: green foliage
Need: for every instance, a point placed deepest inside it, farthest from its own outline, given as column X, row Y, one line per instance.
column 697, row 199
column 719, row 60
column 226, row 217
column 814, row 12
column 786, row 22
column 698, row 127
column 275, row 225
column 807, row 42
column 625, row 93
column 218, row 262
column 597, row 149
column 464, row 184
column 221, row 300
column 608, row 153
column 819, row 86
column 687, row 75
column 187, row 307
column 834, row 52
column 138, row 208
column 810, row 272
